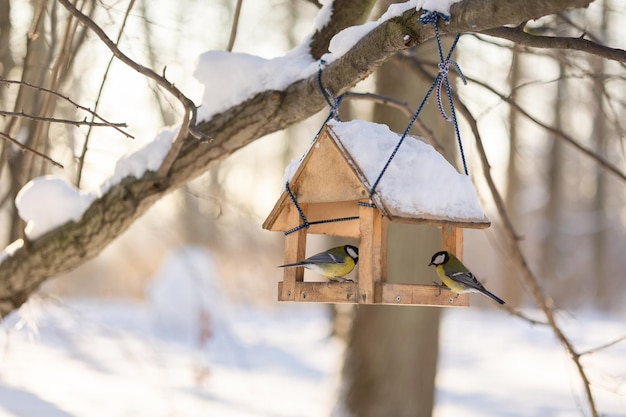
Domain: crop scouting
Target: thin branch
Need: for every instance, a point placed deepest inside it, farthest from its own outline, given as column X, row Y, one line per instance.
column 557, row 132
column 576, row 26
column 316, row 3
column 76, row 123
column 105, row 122
column 404, row 107
column 83, row 153
column 523, row 316
column 520, row 37
column 189, row 127
column 529, row 278
column 235, row 25
column 29, row 149
column 603, row 346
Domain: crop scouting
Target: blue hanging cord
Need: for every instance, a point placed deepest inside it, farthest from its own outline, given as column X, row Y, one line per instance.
column 406, row 132
column 442, row 77
column 333, row 101
column 440, row 80
column 295, row 203
column 305, row 223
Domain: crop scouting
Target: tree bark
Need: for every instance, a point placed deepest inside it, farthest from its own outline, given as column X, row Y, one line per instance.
column 73, row 243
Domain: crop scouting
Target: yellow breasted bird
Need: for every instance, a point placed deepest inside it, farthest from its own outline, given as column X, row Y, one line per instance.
column 333, row 263
column 457, row 277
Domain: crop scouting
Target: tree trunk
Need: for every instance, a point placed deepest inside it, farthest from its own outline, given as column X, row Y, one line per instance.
column 512, row 293
column 604, row 289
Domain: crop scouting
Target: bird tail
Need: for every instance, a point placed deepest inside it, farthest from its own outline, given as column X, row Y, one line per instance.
column 494, row 297
column 290, row 265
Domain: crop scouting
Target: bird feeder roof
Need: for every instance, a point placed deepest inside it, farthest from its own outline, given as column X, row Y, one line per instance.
column 342, row 164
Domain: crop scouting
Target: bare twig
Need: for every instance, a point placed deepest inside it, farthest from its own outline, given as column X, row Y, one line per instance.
column 529, row 278
column 234, row 26
column 83, row 153
column 29, row 149
column 520, row 37
column 523, row 316
column 404, row 108
column 603, row 346
column 189, row 126
column 557, row 132
column 77, row 123
column 316, row 3
column 576, row 26
column 105, row 122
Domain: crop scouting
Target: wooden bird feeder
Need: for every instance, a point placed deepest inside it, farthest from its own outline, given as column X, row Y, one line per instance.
column 333, row 177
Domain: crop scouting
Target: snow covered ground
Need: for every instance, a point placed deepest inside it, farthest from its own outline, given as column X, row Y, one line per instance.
column 94, row 358
column 186, row 351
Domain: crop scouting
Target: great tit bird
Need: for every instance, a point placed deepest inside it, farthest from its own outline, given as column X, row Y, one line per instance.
column 457, row 277
column 333, row 263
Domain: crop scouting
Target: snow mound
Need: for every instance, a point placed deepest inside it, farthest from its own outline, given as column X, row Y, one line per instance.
column 48, row 202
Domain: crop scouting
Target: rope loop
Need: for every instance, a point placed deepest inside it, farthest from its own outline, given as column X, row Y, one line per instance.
column 442, row 79
column 333, row 101
column 432, row 17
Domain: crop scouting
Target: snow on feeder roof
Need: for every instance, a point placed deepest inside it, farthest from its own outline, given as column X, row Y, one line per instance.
column 340, row 167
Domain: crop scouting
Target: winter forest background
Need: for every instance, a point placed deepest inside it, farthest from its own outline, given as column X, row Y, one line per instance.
column 168, row 306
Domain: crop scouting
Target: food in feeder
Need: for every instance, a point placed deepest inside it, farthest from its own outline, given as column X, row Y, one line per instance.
column 333, row 263
column 457, row 277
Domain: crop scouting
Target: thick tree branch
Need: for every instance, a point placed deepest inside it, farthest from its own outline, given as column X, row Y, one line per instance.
column 72, row 244
column 345, row 13
column 480, row 15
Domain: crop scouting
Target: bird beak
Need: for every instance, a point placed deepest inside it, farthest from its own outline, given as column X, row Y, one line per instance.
column 430, row 263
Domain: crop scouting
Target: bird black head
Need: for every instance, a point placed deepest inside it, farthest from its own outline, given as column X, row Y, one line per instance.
column 439, row 258
column 352, row 252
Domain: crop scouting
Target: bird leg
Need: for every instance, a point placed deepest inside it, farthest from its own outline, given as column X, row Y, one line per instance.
column 439, row 287
column 338, row 279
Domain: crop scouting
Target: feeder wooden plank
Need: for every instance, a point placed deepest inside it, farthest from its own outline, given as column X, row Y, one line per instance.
column 324, row 175
column 453, row 240
column 321, row 292
column 427, row 219
column 295, row 250
column 386, row 293
column 419, row 294
column 372, row 252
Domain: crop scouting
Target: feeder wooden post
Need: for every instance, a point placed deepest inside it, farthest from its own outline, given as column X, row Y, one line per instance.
column 453, row 240
column 372, row 253
column 295, row 249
